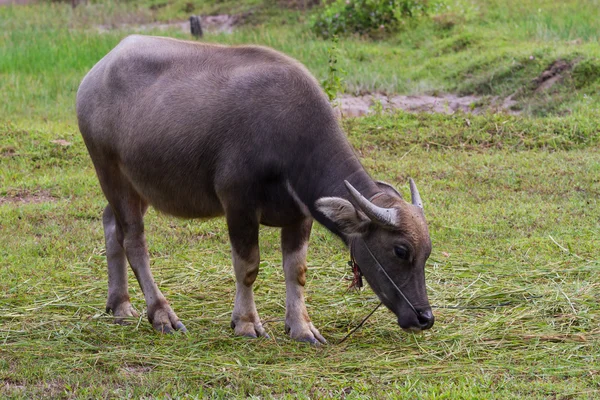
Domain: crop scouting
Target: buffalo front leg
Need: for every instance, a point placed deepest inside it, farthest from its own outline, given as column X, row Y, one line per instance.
column 118, row 295
column 243, row 235
column 294, row 243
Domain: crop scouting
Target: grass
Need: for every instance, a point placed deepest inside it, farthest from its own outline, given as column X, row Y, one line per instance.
column 512, row 205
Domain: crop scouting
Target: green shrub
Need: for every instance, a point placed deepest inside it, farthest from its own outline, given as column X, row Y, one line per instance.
column 369, row 17
column 586, row 72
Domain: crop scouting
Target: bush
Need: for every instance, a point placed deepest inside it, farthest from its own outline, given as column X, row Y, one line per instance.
column 368, row 17
column 586, row 72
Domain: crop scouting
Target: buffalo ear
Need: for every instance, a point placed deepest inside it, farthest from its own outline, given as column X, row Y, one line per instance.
column 349, row 220
column 388, row 189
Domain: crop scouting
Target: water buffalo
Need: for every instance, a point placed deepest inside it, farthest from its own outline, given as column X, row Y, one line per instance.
column 201, row 130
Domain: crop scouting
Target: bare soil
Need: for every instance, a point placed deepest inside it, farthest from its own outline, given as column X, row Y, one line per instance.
column 137, row 369
column 27, row 197
column 222, row 23
column 356, row 106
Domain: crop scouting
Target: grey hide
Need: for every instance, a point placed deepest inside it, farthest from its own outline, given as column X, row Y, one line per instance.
column 198, row 131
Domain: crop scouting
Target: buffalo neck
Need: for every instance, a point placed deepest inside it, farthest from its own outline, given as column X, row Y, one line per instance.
column 323, row 173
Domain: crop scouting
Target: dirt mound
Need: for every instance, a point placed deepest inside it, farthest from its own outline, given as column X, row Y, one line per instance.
column 551, row 75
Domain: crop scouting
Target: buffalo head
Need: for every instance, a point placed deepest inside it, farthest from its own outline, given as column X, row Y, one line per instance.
column 389, row 240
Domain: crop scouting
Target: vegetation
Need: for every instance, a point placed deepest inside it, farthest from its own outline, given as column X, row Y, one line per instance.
column 489, row 48
column 333, row 83
column 368, row 17
column 511, row 200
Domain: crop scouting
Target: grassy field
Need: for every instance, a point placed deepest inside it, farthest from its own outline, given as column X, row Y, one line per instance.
column 512, row 205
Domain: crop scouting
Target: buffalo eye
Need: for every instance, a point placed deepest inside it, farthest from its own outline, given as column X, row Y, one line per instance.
column 401, row 252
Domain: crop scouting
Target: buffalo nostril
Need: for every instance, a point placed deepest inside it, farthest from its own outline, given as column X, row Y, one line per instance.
column 426, row 319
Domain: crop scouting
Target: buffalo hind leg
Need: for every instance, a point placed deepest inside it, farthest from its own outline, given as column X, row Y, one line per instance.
column 118, row 295
column 243, row 235
column 128, row 208
column 294, row 243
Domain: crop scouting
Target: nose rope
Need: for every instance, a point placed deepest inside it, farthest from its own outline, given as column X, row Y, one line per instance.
column 356, row 283
column 359, row 325
column 385, row 273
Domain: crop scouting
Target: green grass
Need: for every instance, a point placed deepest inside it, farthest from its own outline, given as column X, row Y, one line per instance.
column 512, row 205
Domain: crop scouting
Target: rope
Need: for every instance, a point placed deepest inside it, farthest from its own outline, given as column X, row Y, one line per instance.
column 359, row 325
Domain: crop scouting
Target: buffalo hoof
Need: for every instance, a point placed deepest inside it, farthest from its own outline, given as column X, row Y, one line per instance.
column 306, row 333
column 123, row 312
column 164, row 320
column 169, row 329
column 249, row 329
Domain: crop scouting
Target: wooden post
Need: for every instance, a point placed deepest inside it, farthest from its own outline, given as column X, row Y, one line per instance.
column 195, row 27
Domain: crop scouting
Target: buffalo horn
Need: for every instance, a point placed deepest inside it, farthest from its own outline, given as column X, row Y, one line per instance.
column 414, row 194
column 384, row 216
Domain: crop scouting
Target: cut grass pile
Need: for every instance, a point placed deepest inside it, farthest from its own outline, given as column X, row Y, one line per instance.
column 512, row 205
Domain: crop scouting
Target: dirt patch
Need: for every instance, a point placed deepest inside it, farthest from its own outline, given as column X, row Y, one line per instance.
column 12, row 386
column 223, row 23
column 551, row 75
column 356, row 106
column 27, row 197
column 137, row 369
column 61, row 142
column 8, row 151
column 52, row 389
